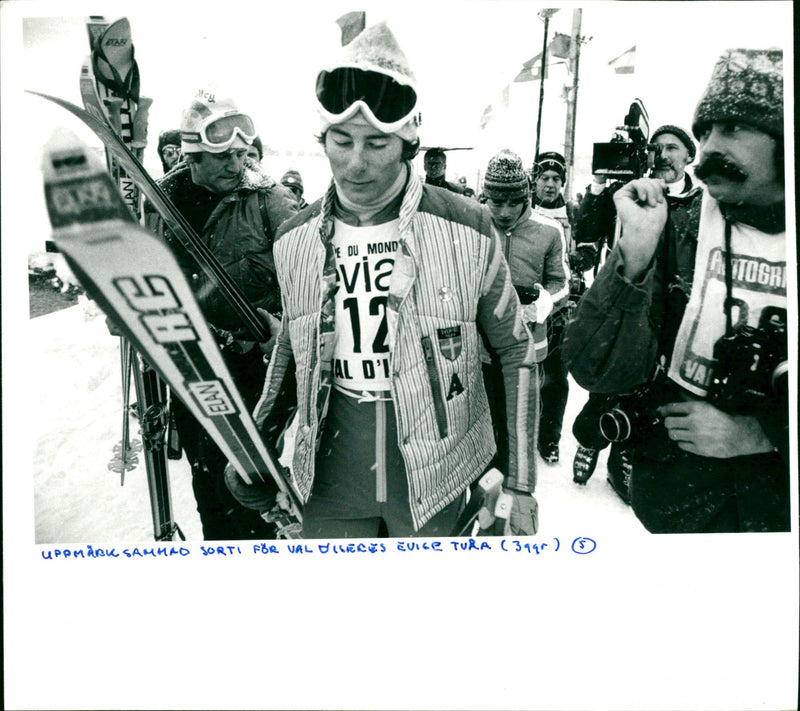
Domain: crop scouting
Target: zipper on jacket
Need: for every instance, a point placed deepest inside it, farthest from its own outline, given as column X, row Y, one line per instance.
column 436, row 388
column 380, row 451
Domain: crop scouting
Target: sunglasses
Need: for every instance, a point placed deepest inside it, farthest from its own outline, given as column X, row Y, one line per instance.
column 220, row 133
column 387, row 102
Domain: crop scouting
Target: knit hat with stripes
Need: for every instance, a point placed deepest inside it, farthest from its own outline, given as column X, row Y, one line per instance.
column 505, row 177
column 746, row 87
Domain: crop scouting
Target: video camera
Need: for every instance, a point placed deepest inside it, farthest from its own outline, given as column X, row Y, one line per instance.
column 628, row 155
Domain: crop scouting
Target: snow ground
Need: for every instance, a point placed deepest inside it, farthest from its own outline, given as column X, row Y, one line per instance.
column 76, row 407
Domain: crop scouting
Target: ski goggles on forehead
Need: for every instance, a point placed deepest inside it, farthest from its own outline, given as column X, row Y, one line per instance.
column 220, row 134
column 387, row 102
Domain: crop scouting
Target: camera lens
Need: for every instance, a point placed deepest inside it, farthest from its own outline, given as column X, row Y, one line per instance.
column 780, row 380
column 615, row 425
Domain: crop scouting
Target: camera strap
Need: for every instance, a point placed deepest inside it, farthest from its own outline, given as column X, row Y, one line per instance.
column 728, row 305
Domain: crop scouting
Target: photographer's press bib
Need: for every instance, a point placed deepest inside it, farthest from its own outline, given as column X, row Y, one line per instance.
column 759, row 279
column 364, row 264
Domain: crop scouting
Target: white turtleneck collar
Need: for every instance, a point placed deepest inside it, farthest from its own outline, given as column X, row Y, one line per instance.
column 365, row 212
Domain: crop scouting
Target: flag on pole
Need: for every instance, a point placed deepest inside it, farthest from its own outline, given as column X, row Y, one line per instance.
column 560, row 46
column 625, row 63
column 531, row 70
column 351, row 24
column 488, row 115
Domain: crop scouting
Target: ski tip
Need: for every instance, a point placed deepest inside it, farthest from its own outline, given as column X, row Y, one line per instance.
column 66, row 155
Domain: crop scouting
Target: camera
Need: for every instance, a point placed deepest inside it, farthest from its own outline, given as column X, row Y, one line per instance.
column 631, row 417
column 526, row 295
column 627, row 155
column 751, row 366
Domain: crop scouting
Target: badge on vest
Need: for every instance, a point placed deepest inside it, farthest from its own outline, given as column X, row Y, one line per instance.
column 450, row 341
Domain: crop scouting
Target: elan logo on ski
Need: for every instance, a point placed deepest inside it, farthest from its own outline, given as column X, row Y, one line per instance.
column 212, row 398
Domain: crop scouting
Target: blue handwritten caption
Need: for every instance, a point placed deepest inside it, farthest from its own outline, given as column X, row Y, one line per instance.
column 582, row 546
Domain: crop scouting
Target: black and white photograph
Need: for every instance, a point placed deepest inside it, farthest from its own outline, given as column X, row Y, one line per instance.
column 407, row 356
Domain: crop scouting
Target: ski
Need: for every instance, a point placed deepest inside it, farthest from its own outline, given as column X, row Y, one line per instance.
column 481, row 504
column 109, row 83
column 126, row 451
column 136, row 280
column 176, row 223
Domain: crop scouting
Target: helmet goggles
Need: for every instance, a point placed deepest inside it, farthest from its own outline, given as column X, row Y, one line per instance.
column 387, row 102
column 219, row 134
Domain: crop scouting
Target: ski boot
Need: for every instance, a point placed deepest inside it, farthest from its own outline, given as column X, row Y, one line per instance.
column 549, row 452
column 584, row 464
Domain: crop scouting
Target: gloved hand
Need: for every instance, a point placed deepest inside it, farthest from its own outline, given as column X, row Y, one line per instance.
column 538, row 311
column 258, row 496
column 524, row 518
column 582, row 259
column 274, row 328
column 515, row 513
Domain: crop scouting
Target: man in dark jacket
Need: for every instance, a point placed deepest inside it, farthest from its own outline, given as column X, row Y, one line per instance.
column 235, row 209
column 294, row 181
column 435, row 164
column 169, row 149
column 692, row 286
column 595, row 231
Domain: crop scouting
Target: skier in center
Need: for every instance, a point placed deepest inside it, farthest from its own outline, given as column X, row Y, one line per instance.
column 385, row 282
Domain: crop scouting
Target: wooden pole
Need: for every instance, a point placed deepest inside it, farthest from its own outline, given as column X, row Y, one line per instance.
column 572, row 100
column 545, row 15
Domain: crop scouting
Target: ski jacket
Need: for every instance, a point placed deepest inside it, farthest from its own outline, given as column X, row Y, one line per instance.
column 449, row 276
column 446, row 184
column 536, row 251
column 561, row 212
column 239, row 232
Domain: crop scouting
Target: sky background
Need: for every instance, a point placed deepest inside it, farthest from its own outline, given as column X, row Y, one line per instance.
column 464, row 54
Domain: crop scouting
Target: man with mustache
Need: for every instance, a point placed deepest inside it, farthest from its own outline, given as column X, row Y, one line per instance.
column 690, row 280
column 675, row 150
column 596, row 220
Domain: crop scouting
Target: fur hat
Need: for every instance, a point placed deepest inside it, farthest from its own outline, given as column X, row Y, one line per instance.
column 746, row 87
column 259, row 146
column 375, row 49
column 505, row 177
column 207, row 107
column 292, row 179
column 550, row 161
column 168, row 138
column 435, row 153
column 680, row 134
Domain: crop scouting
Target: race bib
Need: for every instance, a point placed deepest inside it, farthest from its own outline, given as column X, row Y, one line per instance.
column 364, row 264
